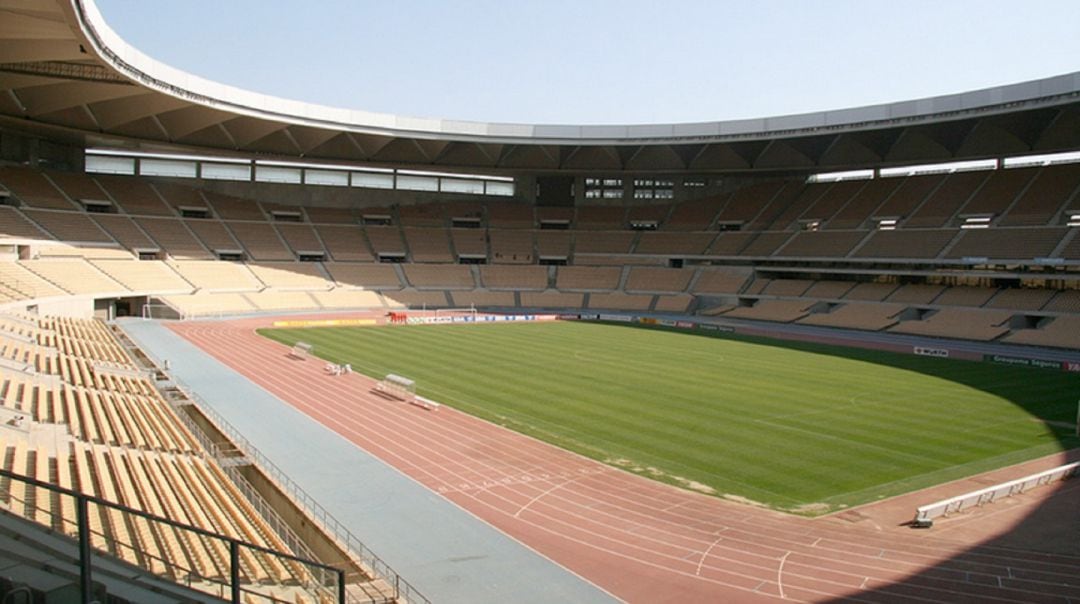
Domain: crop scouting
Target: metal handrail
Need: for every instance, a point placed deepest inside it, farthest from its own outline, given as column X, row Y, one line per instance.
column 83, row 500
column 402, row 588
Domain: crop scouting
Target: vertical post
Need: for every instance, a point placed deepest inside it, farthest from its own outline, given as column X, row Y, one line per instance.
column 234, row 570
column 1078, row 417
column 340, row 586
column 82, row 515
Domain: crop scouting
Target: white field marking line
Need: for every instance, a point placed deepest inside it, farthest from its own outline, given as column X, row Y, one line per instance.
column 535, row 420
column 500, row 510
column 444, row 396
column 705, row 554
column 469, row 485
column 609, row 551
column 517, row 514
column 536, row 423
column 642, row 525
column 677, row 560
column 548, row 529
column 473, row 514
column 780, row 576
column 572, row 527
column 846, row 440
column 989, row 460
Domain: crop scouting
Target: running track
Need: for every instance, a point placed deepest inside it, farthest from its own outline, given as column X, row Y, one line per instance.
column 640, row 540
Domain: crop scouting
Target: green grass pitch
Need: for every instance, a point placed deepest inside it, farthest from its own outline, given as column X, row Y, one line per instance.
column 798, row 427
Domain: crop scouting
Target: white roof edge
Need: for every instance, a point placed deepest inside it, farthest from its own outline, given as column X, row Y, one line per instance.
column 133, row 64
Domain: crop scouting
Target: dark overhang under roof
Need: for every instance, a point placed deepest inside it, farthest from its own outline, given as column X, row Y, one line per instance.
column 65, row 75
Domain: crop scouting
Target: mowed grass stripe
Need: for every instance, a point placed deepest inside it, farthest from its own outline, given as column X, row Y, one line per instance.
column 786, row 424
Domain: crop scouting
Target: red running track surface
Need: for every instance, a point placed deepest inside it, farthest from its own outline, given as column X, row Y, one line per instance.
column 639, row 539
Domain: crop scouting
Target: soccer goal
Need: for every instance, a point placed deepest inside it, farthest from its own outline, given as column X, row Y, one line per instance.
column 397, row 387
column 456, row 312
column 160, row 311
column 301, row 350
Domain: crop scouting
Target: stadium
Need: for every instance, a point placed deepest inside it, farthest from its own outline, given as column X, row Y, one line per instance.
column 260, row 350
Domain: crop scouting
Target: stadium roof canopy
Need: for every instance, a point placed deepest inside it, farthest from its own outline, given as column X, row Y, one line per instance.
column 65, row 75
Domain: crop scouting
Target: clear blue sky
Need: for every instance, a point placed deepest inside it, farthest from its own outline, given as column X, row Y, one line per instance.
column 604, row 61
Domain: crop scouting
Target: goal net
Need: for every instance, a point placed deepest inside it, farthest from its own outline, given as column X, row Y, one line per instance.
column 160, row 311
column 456, row 312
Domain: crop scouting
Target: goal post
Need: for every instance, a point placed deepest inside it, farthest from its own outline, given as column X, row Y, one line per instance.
column 152, row 310
column 456, row 312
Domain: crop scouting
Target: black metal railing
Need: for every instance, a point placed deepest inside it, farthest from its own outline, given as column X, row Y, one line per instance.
column 310, row 576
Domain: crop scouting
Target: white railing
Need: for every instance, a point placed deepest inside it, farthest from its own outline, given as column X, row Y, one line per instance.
column 924, row 515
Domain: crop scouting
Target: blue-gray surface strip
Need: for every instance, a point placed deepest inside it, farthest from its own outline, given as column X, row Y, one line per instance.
column 444, row 551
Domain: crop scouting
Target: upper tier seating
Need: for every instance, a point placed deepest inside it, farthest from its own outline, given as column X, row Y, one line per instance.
column 1007, row 243
column 619, row 301
column 345, row 242
column 455, row 276
column 291, row 275
column 300, row 238
column 587, row 278
column 134, row 196
column 180, row 196
column 510, row 216
column 964, row 323
column 821, row 244
column 511, row 246
column 601, row 218
column 1040, row 203
column 428, row 244
column 650, row 279
column 77, row 186
column 911, row 193
column 905, row 243
column 603, row 242
column 1060, row 332
column 14, row 224
column 69, row 226
column 422, row 215
column 940, row 206
column 998, row 192
column 125, row 232
column 720, row 281
column 233, row 208
column 143, row 276
column 672, row 243
column 213, row 234
column 514, row 277
column 783, row 311
column 366, row 276
column 695, row 215
column 857, row 315
column 479, row 298
column 33, row 188
column 470, row 242
column 217, row 276
column 261, row 240
column 552, row 299
column 553, row 244
column 863, row 205
column 174, row 238
column 74, row 276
